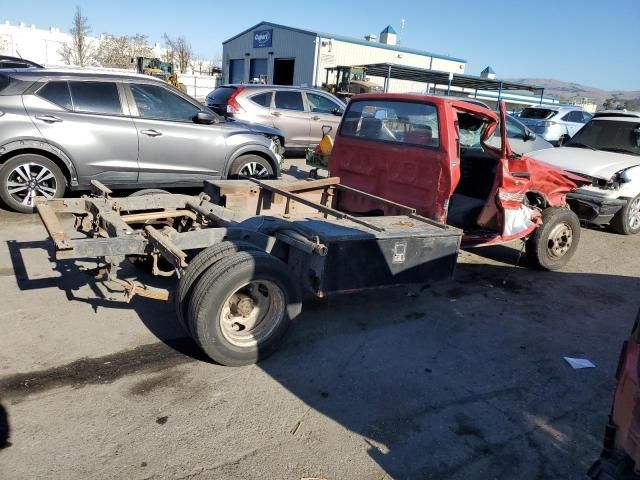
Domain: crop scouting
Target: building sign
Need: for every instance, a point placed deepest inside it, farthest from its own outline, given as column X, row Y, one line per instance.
column 262, row 38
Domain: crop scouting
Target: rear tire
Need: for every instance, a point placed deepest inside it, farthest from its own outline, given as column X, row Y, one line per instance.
column 26, row 176
column 627, row 220
column 147, row 191
column 553, row 243
column 200, row 263
column 253, row 166
column 241, row 307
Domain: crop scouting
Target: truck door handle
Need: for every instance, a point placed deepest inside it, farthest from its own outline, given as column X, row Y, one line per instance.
column 48, row 118
column 151, row 133
column 521, row 174
column 315, row 117
column 276, row 114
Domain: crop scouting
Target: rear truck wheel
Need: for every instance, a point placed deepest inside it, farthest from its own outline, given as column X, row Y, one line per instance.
column 553, row 243
column 251, row 166
column 26, row 176
column 200, row 263
column 627, row 220
column 147, row 191
column 242, row 306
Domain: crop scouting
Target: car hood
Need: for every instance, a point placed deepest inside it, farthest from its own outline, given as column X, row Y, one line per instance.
column 594, row 163
column 256, row 127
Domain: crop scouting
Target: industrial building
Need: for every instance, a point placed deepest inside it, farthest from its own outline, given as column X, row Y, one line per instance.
column 272, row 53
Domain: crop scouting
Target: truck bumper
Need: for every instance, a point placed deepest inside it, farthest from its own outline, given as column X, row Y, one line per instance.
column 594, row 209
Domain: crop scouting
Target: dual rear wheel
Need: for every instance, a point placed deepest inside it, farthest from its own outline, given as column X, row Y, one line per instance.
column 237, row 302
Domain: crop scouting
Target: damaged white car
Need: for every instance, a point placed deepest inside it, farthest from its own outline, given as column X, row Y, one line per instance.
column 606, row 151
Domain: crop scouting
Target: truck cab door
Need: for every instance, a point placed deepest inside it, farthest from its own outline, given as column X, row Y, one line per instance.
column 505, row 210
column 395, row 149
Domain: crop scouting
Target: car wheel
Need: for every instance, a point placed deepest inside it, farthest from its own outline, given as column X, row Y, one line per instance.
column 27, row 176
column 253, row 166
column 627, row 220
column 200, row 263
column 147, row 191
column 553, row 243
column 241, row 307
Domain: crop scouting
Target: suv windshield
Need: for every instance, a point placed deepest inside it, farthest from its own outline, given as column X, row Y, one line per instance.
column 608, row 135
column 538, row 113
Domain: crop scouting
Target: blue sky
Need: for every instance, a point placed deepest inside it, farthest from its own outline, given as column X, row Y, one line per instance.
column 592, row 42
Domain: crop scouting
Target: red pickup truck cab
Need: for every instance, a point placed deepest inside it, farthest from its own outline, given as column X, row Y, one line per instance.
column 430, row 153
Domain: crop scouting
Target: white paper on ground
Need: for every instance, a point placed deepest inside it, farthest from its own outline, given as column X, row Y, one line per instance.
column 579, row 362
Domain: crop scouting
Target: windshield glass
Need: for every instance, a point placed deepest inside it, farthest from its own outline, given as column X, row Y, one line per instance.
column 538, row 113
column 609, row 135
column 392, row 121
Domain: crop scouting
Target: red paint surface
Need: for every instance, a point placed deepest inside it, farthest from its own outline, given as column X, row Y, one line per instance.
column 425, row 178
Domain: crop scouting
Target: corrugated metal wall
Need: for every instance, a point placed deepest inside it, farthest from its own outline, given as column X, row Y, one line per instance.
column 336, row 52
column 285, row 44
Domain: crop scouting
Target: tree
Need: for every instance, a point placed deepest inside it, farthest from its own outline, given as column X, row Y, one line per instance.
column 4, row 46
column 80, row 52
column 610, row 103
column 117, row 52
column 178, row 51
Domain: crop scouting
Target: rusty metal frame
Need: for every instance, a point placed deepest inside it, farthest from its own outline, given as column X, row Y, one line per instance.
column 317, row 206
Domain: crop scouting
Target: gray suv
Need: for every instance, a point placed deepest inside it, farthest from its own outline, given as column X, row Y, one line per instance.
column 299, row 112
column 61, row 129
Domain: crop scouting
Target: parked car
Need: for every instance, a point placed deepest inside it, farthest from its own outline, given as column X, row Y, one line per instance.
column 607, row 151
column 60, row 130
column 521, row 139
column 298, row 111
column 620, row 457
column 556, row 124
column 406, row 148
column 7, row 61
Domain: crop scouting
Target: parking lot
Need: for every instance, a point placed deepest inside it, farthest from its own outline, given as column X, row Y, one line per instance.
column 462, row 379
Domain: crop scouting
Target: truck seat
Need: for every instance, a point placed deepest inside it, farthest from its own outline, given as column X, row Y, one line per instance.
column 464, row 211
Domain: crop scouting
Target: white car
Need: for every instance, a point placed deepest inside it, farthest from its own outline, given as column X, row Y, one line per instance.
column 607, row 152
column 555, row 123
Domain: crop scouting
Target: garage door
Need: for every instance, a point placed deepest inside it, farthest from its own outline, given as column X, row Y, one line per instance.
column 236, row 71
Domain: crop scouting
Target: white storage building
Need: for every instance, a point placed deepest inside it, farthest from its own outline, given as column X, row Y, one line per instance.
column 283, row 55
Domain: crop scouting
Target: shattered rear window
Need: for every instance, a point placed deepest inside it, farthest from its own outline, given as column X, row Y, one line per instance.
column 538, row 113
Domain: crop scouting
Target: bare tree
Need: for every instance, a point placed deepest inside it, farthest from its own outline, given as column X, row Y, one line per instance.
column 178, row 51
column 80, row 52
column 4, row 45
column 117, row 52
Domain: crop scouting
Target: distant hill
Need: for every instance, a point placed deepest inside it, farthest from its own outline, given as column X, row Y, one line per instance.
column 566, row 90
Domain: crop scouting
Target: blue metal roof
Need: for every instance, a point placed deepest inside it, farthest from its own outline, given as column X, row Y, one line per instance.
column 389, row 29
column 344, row 38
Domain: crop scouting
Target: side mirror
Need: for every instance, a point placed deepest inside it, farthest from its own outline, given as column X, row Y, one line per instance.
column 529, row 135
column 338, row 112
column 204, row 118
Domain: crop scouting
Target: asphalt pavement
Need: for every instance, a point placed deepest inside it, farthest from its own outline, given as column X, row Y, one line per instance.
column 461, row 379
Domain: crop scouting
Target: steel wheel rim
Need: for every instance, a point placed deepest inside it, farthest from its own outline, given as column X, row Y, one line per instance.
column 560, row 240
column 28, row 180
column 251, row 313
column 634, row 214
column 255, row 170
